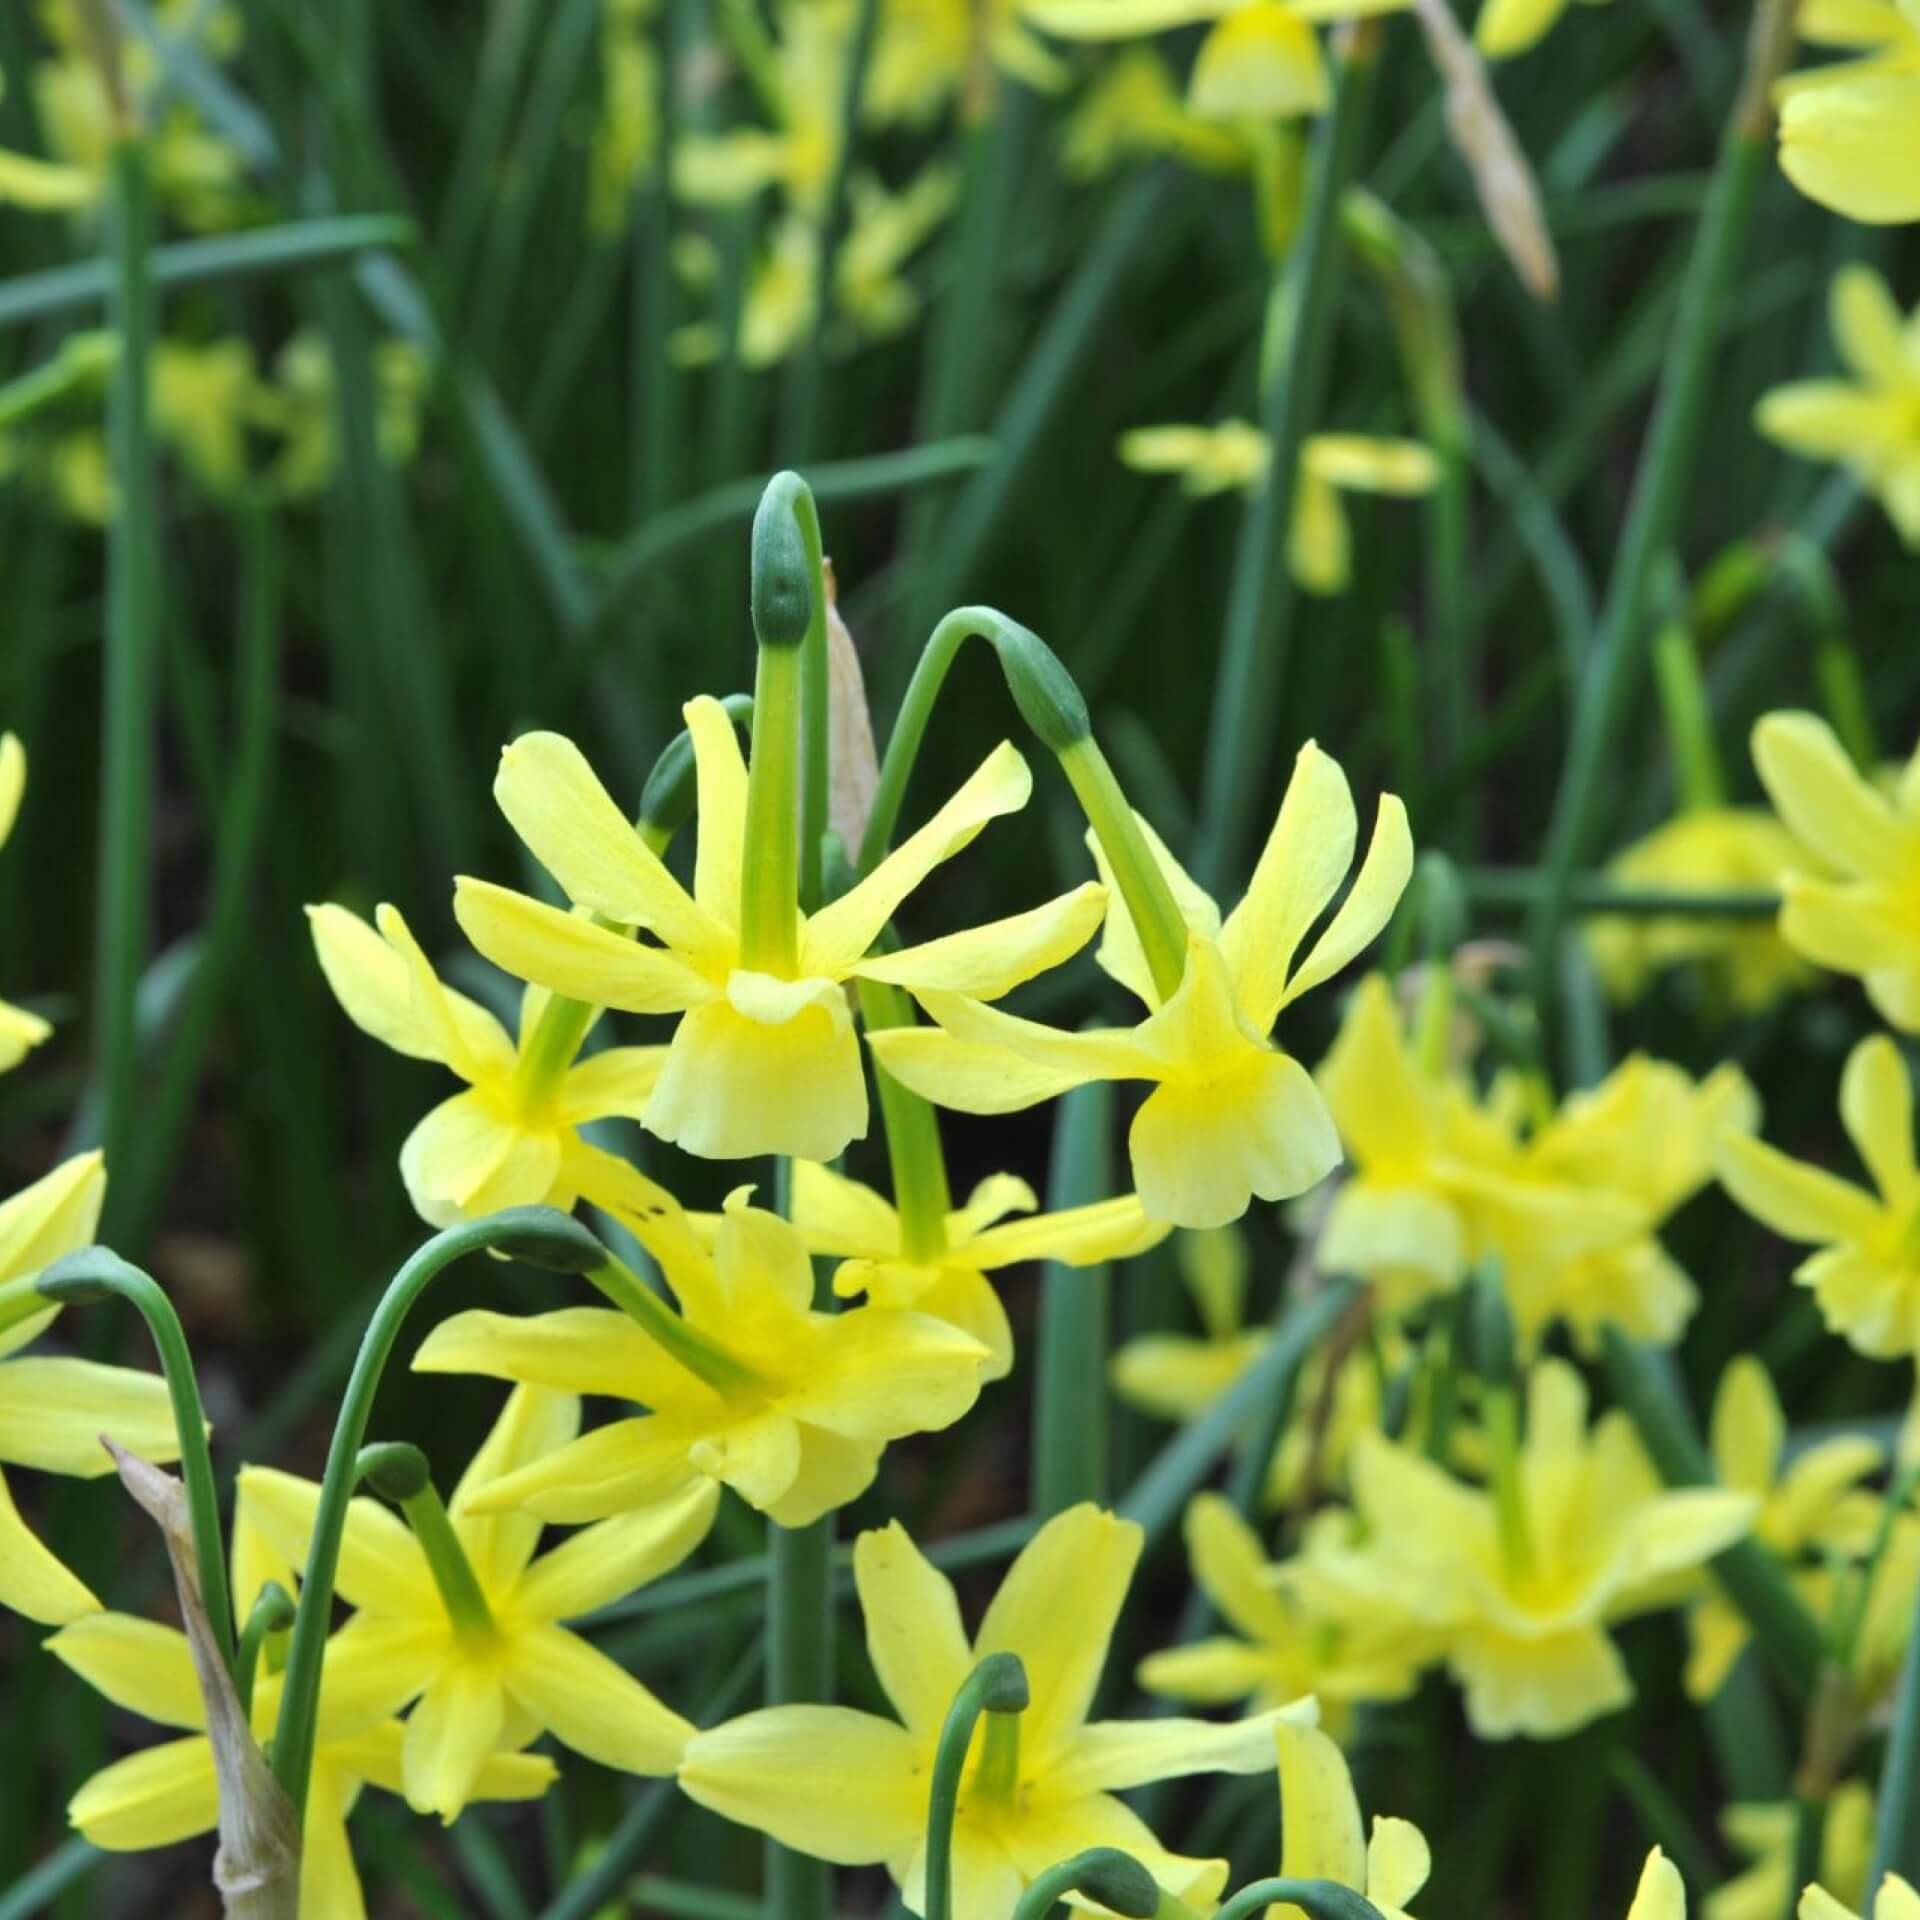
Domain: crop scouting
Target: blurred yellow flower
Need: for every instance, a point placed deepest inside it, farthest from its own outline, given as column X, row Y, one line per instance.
column 839, row 1217
column 20, row 1031
column 1283, row 1644
column 54, row 1410
column 486, row 1656
column 1230, row 1114
column 626, row 131
column 1896, row 1900
column 1866, row 1275
column 1815, row 1506
column 1236, row 455
column 1133, row 108
column 1870, row 423
column 1321, row 1837
column 1507, row 27
column 746, row 1384
column 851, row 1787
column 1850, row 130
column 758, row 1063
column 1867, row 922
column 1522, row 1582
column 512, row 1138
column 1711, row 850
column 1767, row 1835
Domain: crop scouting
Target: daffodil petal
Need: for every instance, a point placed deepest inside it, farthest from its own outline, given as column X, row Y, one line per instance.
column 1823, row 799
column 888, row 1373
column 1261, row 62
column 616, row 1081
column 536, row 1421
column 577, row 1349
column 1230, row 1568
column 32, row 1581
column 1507, row 27
column 1210, row 1673
column 969, row 1076
column 608, row 1471
column 1049, row 1834
column 1121, row 955
column 450, row 1733
column 590, row 1704
column 600, row 1564
column 137, row 1664
column 329, row 1881
column 1120, row 19
column 833, row 1214
column 914, row 1633
column 381, row 1565
column 150, row 1799
column 1797, row 1201
column 54, row 1411
column 1320, row 1830
column 1867, row 326
column 465, row 1159
column 1660, row 1895
column 1748, row 1429
column 987, row 961
column 57, row 1213
column 1398, row 1862
column 834, row 1470
column 1538, row 1686
column 1114, row 1755
column 1379, row 1100
column 1076, row 1236
column 448, row 1026
column 720, row 775
column 1856, row 148
column 1376, row 891
column 1876, row 1107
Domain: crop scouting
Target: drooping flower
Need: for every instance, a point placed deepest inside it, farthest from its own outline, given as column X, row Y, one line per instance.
column 837, row 1216
column 759, row 1063
column 1522, row 1582
column 1237, row 455
column 496, row 1673
column 169, row 1793
column 747, row 1383
column 1870, row 422
column 852, row 1787
column 1767, row 1834
column 1709, row 850
column 512, row 1138
column 1284, row 1645
column 1230, row 1115
column 1814, row 1505
column 20, row 1031
column 1321, row 1837
column 53, row 1410
column 1867, row 921
column 1866, row 1275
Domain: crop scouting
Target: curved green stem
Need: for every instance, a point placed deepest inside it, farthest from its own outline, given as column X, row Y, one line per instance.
column 272, row 1613
column 921, row 1195
column 997, row 1685
column 93, row 1273
column 1322, row 1899
column 538, row 1235
column 1116, row 1880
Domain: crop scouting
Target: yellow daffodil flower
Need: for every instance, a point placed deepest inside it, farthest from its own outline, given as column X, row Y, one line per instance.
column 1814, row 1506
column 20, row 1031
column 1870, row 423
column 487, row 1658
column 1236, row 455
column 1850, row 130
column 837, row 1216
column 1283, row 1645
column 169, row 1793
column 53, row 1410
column 1766, row 1835
column 1867, row 922
column 1321, row 1837
column 204, row 400
column 1522, row 1582
column 1508, row 27
column 512, row 1138
column 759, row 1063
column 1866, row 1276
column 851, row 1787
column 747, row 1384
column 1230, row 1115
column 1896, row 1900
column 1711, row 850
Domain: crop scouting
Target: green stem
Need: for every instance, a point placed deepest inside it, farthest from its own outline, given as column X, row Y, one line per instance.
column 1108, row 1877
column 128, row 683
column 538, row 1235
column 799, row 1640
column 93, row 1274
column 1320, row 1899
column 460, row 1590
column 921, row 1195
column 1301, row 327
column 1525, row 886
column 1896, row 1834
column 272, row 1613
column 1662, row 485
column 997, row 1685
column 702, row 1357
column 770, row 864
column 1688, row 714
column 1070, row 1420
column 1753, row 1579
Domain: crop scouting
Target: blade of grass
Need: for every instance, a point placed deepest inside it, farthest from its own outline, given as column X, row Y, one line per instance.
column 65, row 1867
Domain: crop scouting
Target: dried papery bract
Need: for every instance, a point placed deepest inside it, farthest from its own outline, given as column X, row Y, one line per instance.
column 853, row 761
column 257, row 1867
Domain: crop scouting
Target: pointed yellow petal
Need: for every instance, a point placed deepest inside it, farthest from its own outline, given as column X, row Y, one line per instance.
column 138, row 1664
column 615, row 1081
column 559, row 808
column 43, row 186
column 1050, row 1834
column 1319, row 541
column 1362, row 463
column 601, row 1564
column 1507, row 27
column 1867, row 326
column 381, row 1565
column 1114, row 1755
column 1321, row 1837
column 1230, row 1569
column 990, row 960
column 573, row 956
column 1825, row 420
column 1797, row 1201
column 610, row 1470
column 57, row 1213
column 758, row 1456
column 1661, row 1895
column 53, row 1412
column 721, row 799
column 914, row 1634
column 1121, row 954
column 1120, row 19
column 1260, row 63
column 151, row 1799
column 1823, row 799
column 1383, row 1106
column 1876, row 1107
column 535, row 1422
column 465, row 1159
column 1748, row 1429
column 464, row 1035
column 991, row 1200
column 1094, row 1054
column 592, row 1705
column 881, row 1374
column 1174, row 1377
column 32, row 1581
column 13, row 782
column 836, row 1215
column 1539, row 1686
column 837, row 937
column 449, row 1736
column 1376, row 891
column 577, row 1349
column 1077, row 1236
column 1398, row 1862
column 329, row 1881
column 969, row 1076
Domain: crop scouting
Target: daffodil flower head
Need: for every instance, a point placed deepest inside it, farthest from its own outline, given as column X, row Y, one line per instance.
column 1850, row 129
column 1866, row 920
column 851, row 1787
column 53, row 1409
column 512, row 1138
column 1321, row 1836
column 764, row 1058
column 1866, row 1276
column 1869, row 421
column 1815, row 1506
column 748, row 1384
column 469, row 1623
column 1746, row 964
column 168, row 1793
column 1230, row 1115
column 1765, row 1834
column 20, row 1031
column 837, row 1216
column 1283, row 1645
column 1523, row 1581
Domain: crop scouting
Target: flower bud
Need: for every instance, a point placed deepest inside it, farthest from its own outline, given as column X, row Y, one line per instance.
column 782, row 587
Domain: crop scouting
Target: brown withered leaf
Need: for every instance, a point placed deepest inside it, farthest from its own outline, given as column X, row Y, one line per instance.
column 853, row 761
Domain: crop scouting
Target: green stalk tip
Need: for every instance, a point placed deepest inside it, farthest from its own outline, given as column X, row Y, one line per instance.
column 782, row 581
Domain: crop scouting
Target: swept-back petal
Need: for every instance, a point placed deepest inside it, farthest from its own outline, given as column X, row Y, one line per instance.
column 577, row 1349
column 53, row 1412
column 610, row 1470
column 1380, row 1101
column 57, row 1213
column 456, row 1725
column 833, row 1214
column 990, row 960
column 381, row 1565
column 914, row 1633
column 1077, row 1236
column 1321, row 1837
column 1376, row 891
column 720, row 774
column 591, row 1704
column 32, row 1581
column 1121, row 955
column 1823, row 799
column 1748, row 1430
column 1876, row 1107
column 615, row 1081
column 1797, row 1201
column 1096, row 1053
column 150, row 1799
column 969, row 1076
column 837, row 937
column 881, row 1373
column 1231, row 1569
column 536, row 1421
column 573, row 956
column 468, row 1038
column 1114, row 1755
column 557, row 805
column 603, row 1563
column 138, row 1664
